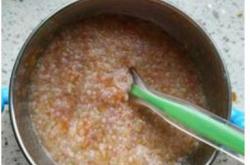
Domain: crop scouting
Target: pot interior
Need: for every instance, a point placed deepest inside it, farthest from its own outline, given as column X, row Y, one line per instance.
column 175, row 23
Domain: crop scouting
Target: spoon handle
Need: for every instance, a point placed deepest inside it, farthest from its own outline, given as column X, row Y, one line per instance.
column 206, row 125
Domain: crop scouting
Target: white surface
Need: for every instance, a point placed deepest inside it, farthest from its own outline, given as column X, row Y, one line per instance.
column 223, row 20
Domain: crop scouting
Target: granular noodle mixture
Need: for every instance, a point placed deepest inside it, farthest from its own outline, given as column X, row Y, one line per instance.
column 79, row 100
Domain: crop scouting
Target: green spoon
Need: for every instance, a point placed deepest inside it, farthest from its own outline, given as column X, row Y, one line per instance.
column 191, row 119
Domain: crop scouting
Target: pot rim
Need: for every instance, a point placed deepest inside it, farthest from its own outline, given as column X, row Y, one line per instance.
column 179, row 10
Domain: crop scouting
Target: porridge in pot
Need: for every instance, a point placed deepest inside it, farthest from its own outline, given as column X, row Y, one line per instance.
column 79, row 100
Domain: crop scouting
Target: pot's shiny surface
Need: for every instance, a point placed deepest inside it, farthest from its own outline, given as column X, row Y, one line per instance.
column 182, row 28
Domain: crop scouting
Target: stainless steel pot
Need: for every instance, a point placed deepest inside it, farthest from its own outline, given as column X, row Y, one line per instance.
column 198, row 45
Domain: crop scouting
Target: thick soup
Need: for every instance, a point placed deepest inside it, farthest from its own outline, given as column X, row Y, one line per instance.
column 79, row 100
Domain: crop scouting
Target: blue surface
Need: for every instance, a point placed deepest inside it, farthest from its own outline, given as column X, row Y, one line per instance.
column 237, row 117
column 5, row 97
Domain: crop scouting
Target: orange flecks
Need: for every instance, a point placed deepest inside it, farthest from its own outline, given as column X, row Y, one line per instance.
column 80, row 101
column 234, row 96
